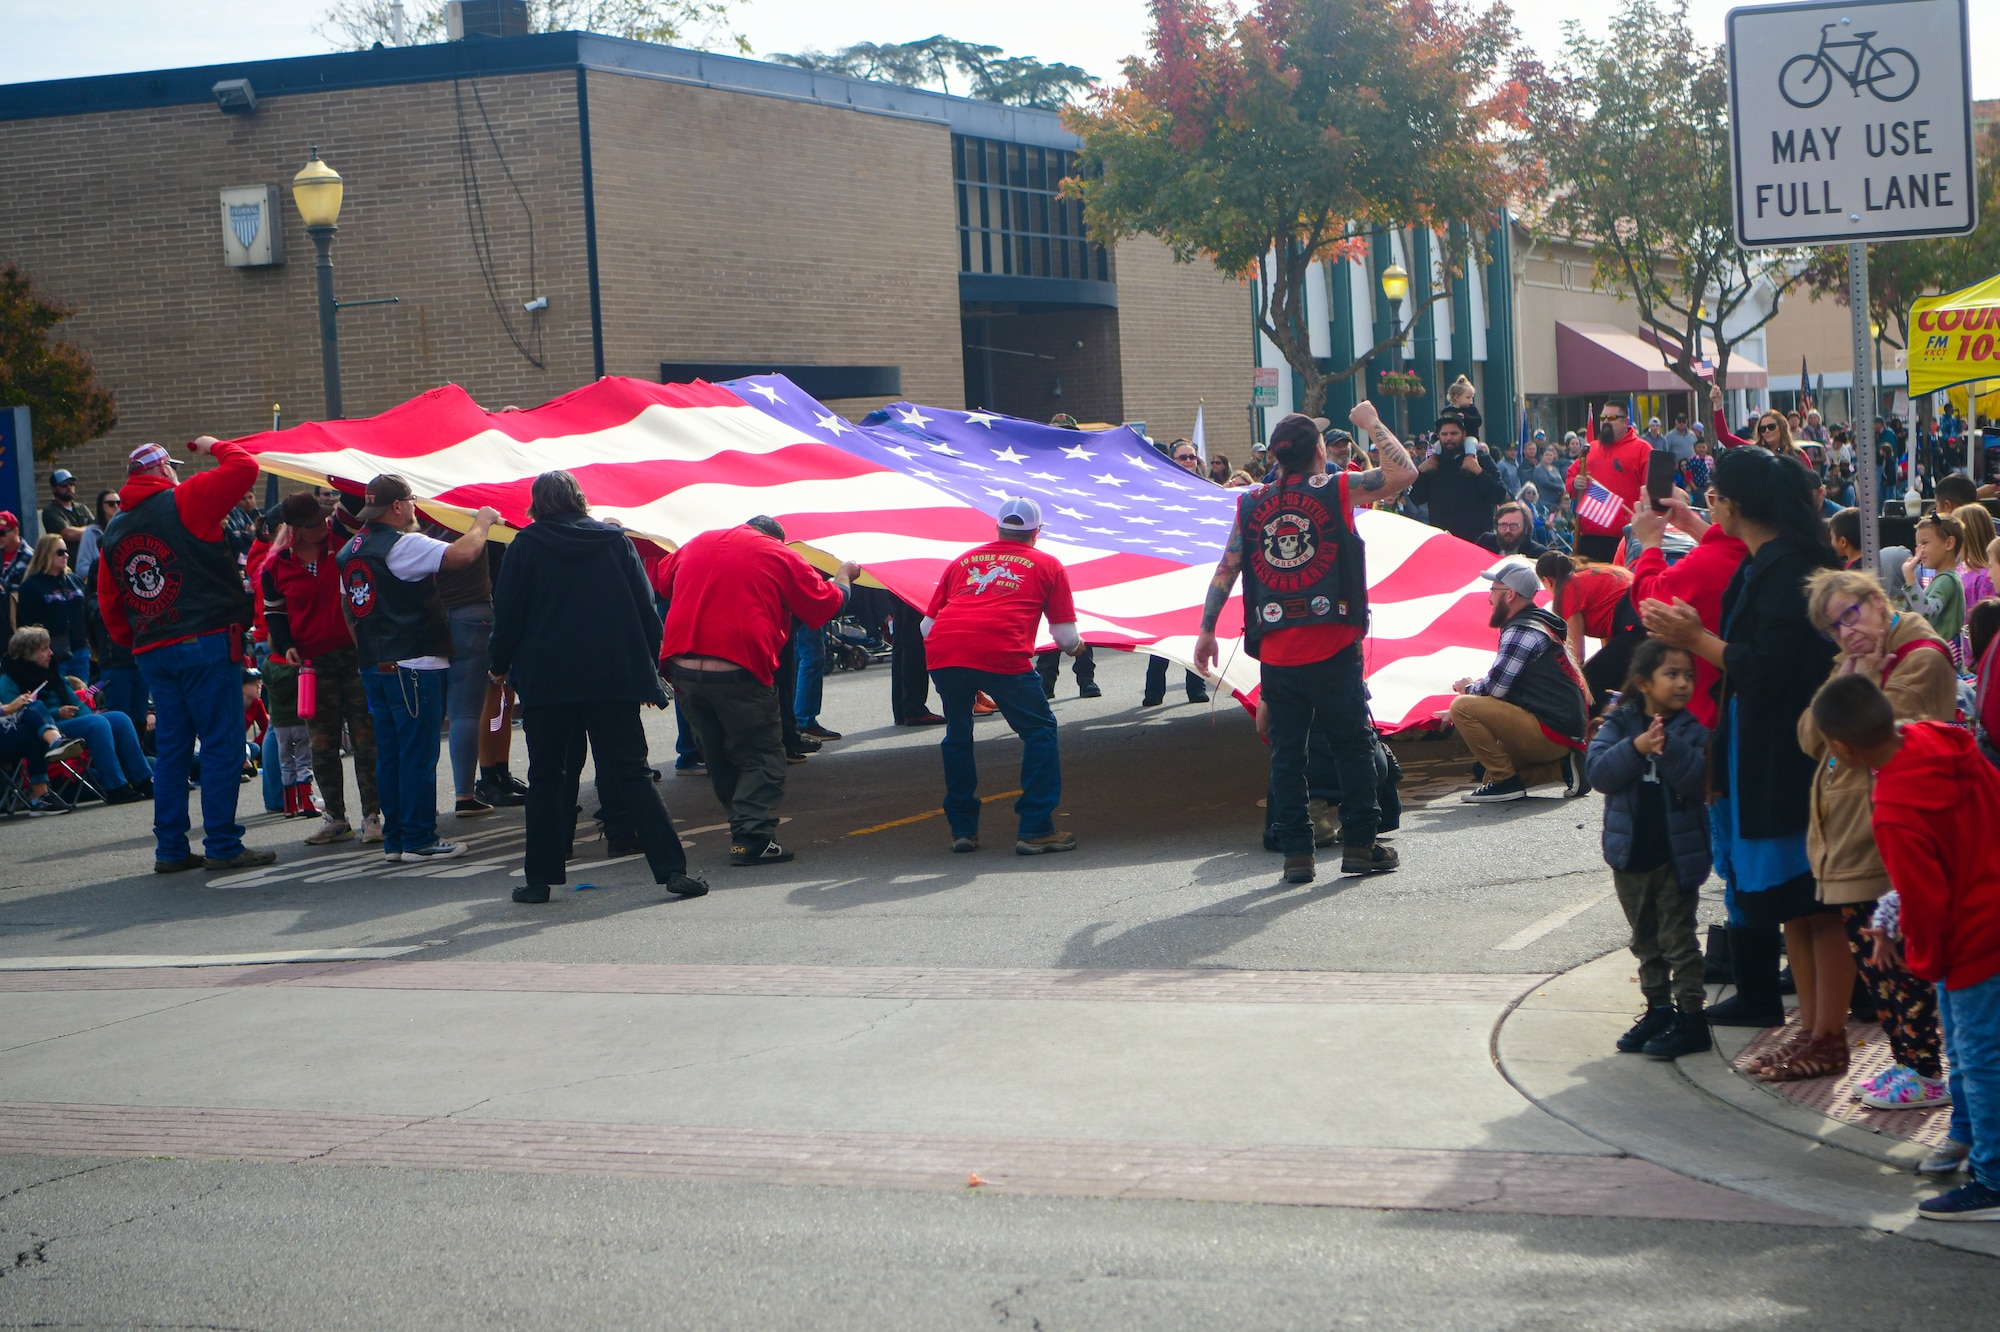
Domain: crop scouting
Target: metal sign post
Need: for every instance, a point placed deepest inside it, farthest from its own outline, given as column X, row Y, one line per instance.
column 1861, row 397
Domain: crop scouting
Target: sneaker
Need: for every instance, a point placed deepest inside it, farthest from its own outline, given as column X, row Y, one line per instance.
column 494, row 793
column 1653, row 1022
column 794, row 756
column 1047, row 842
column 1089, row 691
column 122, row 795
column 1372, row 859
column 1299, row 869
column 438, row 850
column 65, row 749
column 1574, row 782
column 1886, row 1078
column 1946, row 1159
column 471, row 807
column 1325, row 818
column 43, row 807
column 330, row 830
column 807, row 745
column 690, row 769
column 686, row 885
column 1971, row 1201
column 176, row 866
column 1198, row 695
column 1494, row 793
column 965, row 843
column 1911, row 1092
column 533, row 893
column 244, row 859
column 371, row 828
column 1687, row 1035
column 745, row 854
column 818, row 732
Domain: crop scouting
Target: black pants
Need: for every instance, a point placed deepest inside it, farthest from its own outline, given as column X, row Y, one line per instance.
column 909, row 670
column 1049, row 666
column 1605, row 673
column 556, row 734
column 788, row 685
column 1156, row 681
column 1603, row 549
column 1326, row 695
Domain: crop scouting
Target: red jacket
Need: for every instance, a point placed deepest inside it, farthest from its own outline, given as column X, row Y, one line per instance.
column 253, row 565
column 1699, row 579
column 204, row 501
column 733, row 594
column 1620, row 467
column 303, row 608
column 1936, row 804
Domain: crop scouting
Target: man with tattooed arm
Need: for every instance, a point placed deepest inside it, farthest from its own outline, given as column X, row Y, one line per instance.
column 1305, row 610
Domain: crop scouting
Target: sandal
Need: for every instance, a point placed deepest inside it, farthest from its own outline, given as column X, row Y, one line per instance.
column 1794, row 1041
column 1821, row 1057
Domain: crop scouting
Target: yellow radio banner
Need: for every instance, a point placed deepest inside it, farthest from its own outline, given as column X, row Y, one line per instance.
column 1955, row 338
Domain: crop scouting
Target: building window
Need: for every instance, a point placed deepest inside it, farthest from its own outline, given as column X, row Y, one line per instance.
column 1011, row 219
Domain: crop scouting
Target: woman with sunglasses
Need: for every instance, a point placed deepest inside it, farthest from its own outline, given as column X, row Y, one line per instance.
column 1911, row 662
column 1771, row 660
column 1773, row 431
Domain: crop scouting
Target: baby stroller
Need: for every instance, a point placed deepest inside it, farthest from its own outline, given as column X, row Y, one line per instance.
column 851, row 645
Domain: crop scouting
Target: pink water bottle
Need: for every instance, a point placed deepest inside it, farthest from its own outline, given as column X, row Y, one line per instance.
column 308, row 691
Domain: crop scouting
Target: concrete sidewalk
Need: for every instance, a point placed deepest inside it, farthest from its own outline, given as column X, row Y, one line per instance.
column 1698, row 1117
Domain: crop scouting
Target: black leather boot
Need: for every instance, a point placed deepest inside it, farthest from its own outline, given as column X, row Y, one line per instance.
column 1753, row 955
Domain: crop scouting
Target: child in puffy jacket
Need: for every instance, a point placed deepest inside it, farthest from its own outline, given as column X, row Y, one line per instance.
column 1648, row 759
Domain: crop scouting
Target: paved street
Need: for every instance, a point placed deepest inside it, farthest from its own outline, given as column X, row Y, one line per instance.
column 885, row 1086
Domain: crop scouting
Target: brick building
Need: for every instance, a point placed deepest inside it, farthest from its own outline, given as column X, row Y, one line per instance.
column 680, row 212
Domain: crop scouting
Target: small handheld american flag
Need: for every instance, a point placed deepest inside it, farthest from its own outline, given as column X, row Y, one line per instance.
column 1600, row 507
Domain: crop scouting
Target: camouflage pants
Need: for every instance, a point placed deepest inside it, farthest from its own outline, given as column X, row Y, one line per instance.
column 341, row 702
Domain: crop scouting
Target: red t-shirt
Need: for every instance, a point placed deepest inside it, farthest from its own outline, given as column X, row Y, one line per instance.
column 1304, row 644
column 733, row 594
column 1594, row 593
column 989, row 606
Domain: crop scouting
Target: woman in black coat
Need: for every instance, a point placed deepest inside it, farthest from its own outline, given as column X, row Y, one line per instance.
column 1772, row 662
column 52, row 597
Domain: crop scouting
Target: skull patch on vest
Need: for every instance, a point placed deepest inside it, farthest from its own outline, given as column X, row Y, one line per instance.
column 359, row 586
column 147, row 576
column 1291, row 551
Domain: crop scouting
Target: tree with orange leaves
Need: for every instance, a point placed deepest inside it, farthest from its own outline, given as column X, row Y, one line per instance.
column 1288, row 135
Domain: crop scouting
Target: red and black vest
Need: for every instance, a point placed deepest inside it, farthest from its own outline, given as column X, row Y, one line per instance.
column 174, row 584
column 392, row 620
column 1302, row 559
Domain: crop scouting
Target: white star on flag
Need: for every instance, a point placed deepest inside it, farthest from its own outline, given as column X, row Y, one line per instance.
column 981, row 419
column 1070, row 513
column 767, row 391
column 1079, row 452
column 945, row 449
column 834, row 425
column 1008, row 455
column 1109, row 480
column 915, row 416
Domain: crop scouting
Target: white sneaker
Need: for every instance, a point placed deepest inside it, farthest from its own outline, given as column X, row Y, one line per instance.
column 330, row 830
column 371, row 828
column 438, row 850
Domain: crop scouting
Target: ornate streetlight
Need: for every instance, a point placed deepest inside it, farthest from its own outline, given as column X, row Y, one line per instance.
column 317, row 191
column 1396, row 285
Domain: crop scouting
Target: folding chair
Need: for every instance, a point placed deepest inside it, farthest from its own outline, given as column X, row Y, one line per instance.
column 71, row 781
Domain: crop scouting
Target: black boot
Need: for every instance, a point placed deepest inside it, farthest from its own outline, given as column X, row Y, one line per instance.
column 1715, row 958
column 1687, row 1034
column 1754, row 957
column 1653, row 1022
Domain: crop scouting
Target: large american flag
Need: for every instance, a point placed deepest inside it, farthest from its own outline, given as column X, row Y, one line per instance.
column 902, row 494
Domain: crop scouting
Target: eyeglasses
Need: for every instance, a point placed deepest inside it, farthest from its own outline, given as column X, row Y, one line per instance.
column 1767, row 427
column 112, row 501
column 1847, row 619
column 1184, row 457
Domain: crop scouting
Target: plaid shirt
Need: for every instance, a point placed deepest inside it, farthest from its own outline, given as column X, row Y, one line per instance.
column 1519, row 645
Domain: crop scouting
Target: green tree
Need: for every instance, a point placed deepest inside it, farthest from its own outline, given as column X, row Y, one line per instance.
column 1901, row 271
column 52, row 377
column 1634, row 133
column 983, row 70
column 355, row 25
column 1271, row 140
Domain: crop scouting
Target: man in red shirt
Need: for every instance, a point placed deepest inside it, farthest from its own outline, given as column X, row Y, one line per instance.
column 731, row 597
column 1305, row 609
column 170, row 591
column 1615, row 460
column 979, row 634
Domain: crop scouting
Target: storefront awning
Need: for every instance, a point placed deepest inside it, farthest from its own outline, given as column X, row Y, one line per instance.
column 1603, row 358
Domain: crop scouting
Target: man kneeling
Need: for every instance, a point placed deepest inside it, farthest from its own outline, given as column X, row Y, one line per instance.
column 1524, row 720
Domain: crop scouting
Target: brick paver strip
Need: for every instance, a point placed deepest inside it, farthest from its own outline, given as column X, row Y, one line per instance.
column 1549, row 1184
column 1834, row 1097
column 1190, row 985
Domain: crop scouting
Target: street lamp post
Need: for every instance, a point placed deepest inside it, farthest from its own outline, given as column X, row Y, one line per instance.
column 1395, row 285
column 317, row 190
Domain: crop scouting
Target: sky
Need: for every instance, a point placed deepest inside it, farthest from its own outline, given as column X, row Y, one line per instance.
column 52, row 39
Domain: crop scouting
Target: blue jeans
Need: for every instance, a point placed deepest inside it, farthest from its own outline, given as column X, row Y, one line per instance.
column 407, row 708
column 465, row 690
column 115, row 756
column 807, row 696
column 197, row 691
column 78, row 664
column 687, row 749
column 1027, row 711
column 1971, row 1021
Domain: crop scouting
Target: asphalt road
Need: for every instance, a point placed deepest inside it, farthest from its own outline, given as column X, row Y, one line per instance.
column 1170, row 875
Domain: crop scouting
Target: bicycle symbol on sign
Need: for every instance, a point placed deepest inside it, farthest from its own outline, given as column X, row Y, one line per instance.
column 1889, row 72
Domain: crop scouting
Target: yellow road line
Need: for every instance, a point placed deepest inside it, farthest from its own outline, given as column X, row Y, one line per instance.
column 929, row 814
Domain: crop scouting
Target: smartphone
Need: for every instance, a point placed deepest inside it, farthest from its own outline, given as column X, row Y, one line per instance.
column 1660, row 479
column 37, row 691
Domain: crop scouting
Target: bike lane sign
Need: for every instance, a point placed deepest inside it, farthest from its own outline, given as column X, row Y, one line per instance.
column 1851, row 122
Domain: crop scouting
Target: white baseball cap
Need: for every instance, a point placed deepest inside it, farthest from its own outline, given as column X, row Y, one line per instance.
column 1021, row 515
column 1516, row 576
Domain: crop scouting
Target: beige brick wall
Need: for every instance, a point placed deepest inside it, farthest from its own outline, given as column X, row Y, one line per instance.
column 117, row 213
column 1184, row 339
column 735, row 227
